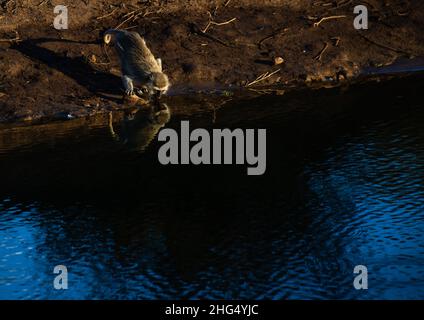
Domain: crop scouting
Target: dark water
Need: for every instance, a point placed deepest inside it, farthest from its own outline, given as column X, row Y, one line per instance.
column 344, row 186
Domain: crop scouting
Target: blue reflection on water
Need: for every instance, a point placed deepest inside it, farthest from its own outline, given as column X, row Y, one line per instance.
column 357, row 201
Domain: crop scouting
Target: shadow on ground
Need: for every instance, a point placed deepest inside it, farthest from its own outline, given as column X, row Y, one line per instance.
column 96, row 81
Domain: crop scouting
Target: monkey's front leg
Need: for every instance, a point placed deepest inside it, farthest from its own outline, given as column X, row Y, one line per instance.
column 130, row 96
column 128, row 86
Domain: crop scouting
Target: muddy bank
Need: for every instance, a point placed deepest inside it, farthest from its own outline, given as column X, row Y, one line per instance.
column 46, row 73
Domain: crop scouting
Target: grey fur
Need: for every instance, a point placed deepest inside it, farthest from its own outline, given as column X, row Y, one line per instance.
column 139, row 67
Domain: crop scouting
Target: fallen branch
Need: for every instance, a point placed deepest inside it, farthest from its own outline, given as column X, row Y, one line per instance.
column 262, row 77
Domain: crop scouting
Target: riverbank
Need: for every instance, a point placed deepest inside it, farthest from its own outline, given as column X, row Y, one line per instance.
column 231, row 45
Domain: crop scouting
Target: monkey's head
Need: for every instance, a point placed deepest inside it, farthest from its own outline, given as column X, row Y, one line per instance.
column 160, row 82
column 157, row 85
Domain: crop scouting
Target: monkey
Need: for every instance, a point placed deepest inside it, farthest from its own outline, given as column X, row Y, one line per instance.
column 140, row 69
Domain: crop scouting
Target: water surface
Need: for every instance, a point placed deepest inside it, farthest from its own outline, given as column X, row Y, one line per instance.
column 344, row 186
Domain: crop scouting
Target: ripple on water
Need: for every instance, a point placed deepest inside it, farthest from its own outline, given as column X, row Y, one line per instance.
column 360, row 201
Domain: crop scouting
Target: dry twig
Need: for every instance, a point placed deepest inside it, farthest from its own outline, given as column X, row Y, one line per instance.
column 316, row 24
column 272, row 35
column 336, row 41
column 195, row 29
column 130, row 16
column 107, row 15
column 262, row 77
column 211, row 22
column 319, row 56
column 133, row 15
column 322, row 4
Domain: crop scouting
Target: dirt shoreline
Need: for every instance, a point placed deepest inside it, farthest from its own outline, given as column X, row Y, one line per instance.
column 51, row 74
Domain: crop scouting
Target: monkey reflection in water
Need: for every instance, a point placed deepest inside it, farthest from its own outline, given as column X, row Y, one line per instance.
column 140, row 126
